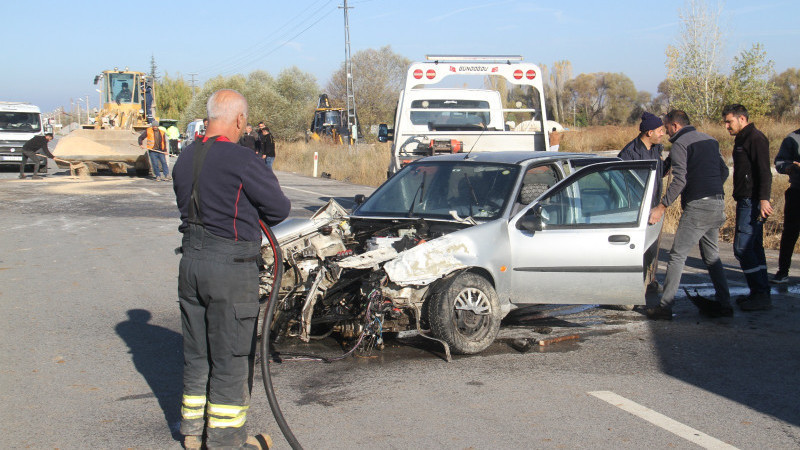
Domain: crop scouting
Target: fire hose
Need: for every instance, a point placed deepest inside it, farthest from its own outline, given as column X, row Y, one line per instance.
column 272, row 301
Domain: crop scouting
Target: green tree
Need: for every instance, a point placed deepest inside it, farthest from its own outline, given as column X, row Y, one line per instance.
column 378, row 77
column 749, row 83
column 693, row 62
column 172, row 96
column 786, row 97
column 285, row 103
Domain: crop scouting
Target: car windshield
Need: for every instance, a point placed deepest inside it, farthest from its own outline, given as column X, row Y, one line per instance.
column 19, row 121
column 434, row 189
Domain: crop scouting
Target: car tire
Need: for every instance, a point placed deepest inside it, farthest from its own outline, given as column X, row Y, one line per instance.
column 453, row 318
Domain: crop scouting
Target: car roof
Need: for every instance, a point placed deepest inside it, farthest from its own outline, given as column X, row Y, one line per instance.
column 510, row 157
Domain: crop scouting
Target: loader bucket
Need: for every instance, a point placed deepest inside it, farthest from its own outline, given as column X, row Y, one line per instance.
column 114, row 149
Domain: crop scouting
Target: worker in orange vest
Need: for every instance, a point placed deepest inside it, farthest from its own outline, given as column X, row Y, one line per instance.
column 154, row 140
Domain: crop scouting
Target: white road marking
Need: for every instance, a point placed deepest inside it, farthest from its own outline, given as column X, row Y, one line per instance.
column 660, row 420
column 155, row 194
column 303, row 190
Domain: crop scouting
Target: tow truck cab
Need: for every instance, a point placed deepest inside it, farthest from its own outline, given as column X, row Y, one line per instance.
column 19, row 122
column 504, row 112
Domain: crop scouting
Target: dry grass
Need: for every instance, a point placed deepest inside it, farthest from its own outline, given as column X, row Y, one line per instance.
column 366, row 164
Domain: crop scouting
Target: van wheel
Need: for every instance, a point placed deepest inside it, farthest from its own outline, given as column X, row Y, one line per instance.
column 465, row 313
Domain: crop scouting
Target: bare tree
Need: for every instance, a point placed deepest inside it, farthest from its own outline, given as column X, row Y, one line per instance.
column 378, row 77
column 561, row 74
column 693, row 62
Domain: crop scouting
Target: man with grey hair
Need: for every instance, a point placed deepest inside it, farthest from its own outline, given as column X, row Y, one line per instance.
column 223, row 190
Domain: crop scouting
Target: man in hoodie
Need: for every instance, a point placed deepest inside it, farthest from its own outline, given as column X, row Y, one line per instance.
column 752, row 186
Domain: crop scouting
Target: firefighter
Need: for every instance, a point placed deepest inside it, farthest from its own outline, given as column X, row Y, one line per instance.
column 222, row 190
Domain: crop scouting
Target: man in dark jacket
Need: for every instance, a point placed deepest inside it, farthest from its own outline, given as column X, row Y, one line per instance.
column 752, row 186
column 698, row 172
column 30, row 150
column 249, row 139
column 648, row 146
column 266, row 144
column 222, row 190
column 788, row 162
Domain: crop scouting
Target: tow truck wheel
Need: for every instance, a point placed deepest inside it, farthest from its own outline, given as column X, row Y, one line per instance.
column 465, row 314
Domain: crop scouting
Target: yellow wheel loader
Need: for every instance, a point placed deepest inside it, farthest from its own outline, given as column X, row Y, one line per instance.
column 111, row 142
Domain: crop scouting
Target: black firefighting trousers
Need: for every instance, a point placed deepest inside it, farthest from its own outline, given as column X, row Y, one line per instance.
column 218, row 293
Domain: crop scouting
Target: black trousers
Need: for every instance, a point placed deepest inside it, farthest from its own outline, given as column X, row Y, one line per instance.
column 791, row 229
column 33, row 156
column 218, row 296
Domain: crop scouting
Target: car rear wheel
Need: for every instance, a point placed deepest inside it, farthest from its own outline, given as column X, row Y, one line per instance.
column 465, row 313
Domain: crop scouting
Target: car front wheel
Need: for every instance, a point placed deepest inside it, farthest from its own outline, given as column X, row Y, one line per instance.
column 465, row 313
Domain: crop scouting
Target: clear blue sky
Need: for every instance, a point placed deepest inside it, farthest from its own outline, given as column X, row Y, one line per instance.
column 53, row 49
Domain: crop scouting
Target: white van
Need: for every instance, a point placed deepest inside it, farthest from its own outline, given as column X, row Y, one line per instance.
column 194, row 127
column 19, row 122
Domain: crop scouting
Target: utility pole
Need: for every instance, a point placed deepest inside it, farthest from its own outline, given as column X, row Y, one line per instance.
column 352, row 123
column 193, row 75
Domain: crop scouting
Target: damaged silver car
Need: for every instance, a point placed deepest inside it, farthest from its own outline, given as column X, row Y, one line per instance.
column 451, row 244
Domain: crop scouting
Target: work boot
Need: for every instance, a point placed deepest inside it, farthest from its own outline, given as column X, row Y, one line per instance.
column 654, row 288
column 658, row 313
column 167, row 178
column 36, row 177
column 710, row 308
column 258, row 442
column 757, row 302
column 193, row 442
column 779, row 278
column 158, row 178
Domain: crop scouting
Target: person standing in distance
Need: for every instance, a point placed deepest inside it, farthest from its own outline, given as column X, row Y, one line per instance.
column 752, row 186
column 155, row 141
column 698, row 172
column 266, row 144
column 788, row 162
column 30, row 150
column 648, row 146
column 222, row 190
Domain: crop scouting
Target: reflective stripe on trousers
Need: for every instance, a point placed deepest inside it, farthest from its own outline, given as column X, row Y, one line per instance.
column 193, row 406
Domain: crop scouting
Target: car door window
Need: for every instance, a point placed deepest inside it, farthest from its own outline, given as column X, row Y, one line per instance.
column 604, row 197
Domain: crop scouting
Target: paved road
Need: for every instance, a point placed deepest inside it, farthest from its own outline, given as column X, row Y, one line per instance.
column 92, row 358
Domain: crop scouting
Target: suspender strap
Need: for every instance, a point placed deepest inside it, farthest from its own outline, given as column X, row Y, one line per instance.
column 195, row 215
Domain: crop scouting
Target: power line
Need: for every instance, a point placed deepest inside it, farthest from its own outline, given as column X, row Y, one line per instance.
column 193, row 75
column 243, row 58
column 279, row 46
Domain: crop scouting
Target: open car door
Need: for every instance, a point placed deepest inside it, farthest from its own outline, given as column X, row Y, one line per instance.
column 584, row 241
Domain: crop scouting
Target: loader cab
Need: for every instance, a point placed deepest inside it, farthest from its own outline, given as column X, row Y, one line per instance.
column 122, row 88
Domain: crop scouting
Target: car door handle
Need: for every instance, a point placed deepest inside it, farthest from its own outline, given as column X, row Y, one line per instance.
column 619, row 239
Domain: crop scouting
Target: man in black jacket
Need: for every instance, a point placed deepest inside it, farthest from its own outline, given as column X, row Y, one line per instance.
column 30, row 151
column 788, row 162
column 647, row 146
column 698, row 172
column 222, row 190
column 752, row 186
column 249, row 139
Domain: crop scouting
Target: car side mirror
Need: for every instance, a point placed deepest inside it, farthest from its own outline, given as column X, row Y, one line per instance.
column 385, row 134
column 531, row 220
column 359, row 199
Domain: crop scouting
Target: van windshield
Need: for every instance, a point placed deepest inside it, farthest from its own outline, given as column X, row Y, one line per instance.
column 20, row 121
column 441, row 114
